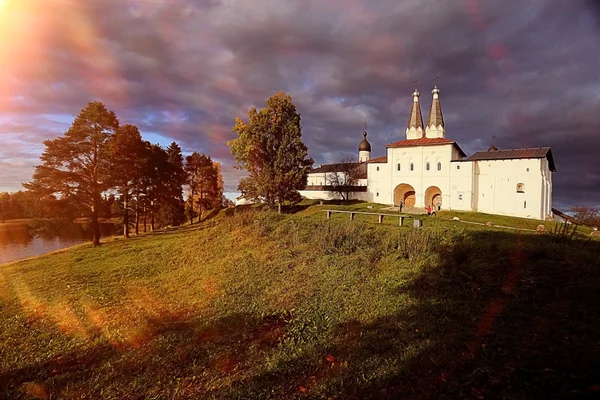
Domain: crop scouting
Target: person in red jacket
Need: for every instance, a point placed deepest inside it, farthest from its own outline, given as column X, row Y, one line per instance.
column 428, row 210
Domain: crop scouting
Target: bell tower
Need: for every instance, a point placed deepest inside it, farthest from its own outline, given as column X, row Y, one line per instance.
column 414, row 127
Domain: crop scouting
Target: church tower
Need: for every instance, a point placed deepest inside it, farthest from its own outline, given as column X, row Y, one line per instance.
column 435, row 122
column 364, row 148
column 414, row 128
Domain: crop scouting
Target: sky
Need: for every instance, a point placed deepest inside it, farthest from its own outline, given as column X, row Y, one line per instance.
column 182, row 70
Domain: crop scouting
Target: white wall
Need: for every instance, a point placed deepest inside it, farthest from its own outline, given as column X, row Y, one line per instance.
column 497, row 188
column 383, row 182
column 328, row 195
column 462, row 186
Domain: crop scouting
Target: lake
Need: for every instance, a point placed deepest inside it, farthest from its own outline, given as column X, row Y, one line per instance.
column 21, row 240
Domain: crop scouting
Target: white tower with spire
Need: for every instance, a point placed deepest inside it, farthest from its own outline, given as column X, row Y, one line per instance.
column 414, row 127
column 435, row 121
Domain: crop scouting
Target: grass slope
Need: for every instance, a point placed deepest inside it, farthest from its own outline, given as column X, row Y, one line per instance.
column 258, row 305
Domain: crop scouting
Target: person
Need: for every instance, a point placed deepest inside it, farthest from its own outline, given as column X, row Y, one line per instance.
column 433, row 211
column 401, row 205
column 428, row 210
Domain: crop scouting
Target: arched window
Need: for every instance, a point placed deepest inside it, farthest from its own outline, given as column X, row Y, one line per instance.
column 427, row 166
column 458, row 167
column 520, row 188
column 377, row 168
column 398, row 166
column 412, row 166
column 439, row 166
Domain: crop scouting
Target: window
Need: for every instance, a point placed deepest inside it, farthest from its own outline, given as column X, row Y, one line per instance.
column 377, row 194
column 398, row 166
column 377, row 168
column 458, row 167
column 427, row 166
column 439, row 166
column 527, row 169
column 412, row 166
column 520, row 188
column 525, row 204
column 460, row 196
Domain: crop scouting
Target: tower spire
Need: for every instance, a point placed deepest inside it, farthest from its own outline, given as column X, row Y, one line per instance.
column 435, row 121
column 414, row 127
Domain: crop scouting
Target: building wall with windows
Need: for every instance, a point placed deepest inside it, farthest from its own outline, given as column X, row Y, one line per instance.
column 511, row 187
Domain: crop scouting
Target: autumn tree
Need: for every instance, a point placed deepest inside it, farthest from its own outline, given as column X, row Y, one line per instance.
column 127, row 151
column 203, row 183
column 270, row 148
column 76, row 165
column 586, row 216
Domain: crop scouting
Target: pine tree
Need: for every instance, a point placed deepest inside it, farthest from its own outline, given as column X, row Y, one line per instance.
column 203, row 183
column 76, row 166
column 127, row 158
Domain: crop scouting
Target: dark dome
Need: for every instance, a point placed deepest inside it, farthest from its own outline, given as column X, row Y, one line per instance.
column 493, row 148
column 364, row 144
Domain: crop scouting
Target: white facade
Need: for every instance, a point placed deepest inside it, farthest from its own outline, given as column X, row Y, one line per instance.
column 430, row 170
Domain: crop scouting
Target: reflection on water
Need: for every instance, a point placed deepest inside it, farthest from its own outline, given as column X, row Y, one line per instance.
column 18, row 240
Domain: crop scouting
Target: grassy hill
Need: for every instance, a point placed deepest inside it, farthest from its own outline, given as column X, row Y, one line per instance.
column 252, row 304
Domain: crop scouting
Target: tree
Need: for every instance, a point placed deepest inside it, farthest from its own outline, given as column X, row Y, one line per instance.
column 174, row 206
column 127, row 152
column 76, row 165
column 346, row 175
column 155, row 182
column 270, row 148
column 220, row 186
column 586, row 216
column 203, row 183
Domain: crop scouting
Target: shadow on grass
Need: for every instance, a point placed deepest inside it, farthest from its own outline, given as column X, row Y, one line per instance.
column 500, row 315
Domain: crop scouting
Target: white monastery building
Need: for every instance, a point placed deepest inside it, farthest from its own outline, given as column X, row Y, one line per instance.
column 428, row 169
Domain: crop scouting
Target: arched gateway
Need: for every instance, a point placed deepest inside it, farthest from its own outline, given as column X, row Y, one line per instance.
column 406, row 193
column 433, row 197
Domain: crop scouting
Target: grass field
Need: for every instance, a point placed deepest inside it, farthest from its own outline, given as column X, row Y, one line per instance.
column 255, row 305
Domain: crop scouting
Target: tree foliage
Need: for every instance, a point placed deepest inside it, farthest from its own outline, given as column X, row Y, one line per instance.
column 204, row 184
column 127, row 153
column 270, row 148
column 77, row 165
column 586, row 216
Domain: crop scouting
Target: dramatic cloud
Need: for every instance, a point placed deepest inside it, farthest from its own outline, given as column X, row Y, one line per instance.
column 183, row 70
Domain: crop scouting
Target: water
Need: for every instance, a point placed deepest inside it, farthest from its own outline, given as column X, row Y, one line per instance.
column 20, row 240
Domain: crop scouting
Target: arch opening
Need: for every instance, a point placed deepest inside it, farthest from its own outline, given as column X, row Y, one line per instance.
column 406, row 193
column 433, row 197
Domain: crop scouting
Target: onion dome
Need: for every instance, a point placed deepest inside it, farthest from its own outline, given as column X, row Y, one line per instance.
column 364, row 144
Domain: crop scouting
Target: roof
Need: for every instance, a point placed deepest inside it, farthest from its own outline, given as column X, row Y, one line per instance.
column 378, row 160
column 516, row 154
column 435, row 117
column 341, row 167
column 564, row 216
column 415, row 119
column 425, row 141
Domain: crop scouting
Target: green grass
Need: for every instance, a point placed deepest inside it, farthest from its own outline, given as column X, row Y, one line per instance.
column 257, row 305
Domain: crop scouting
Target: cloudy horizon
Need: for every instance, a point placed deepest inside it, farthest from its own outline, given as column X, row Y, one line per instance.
column 182, row 70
